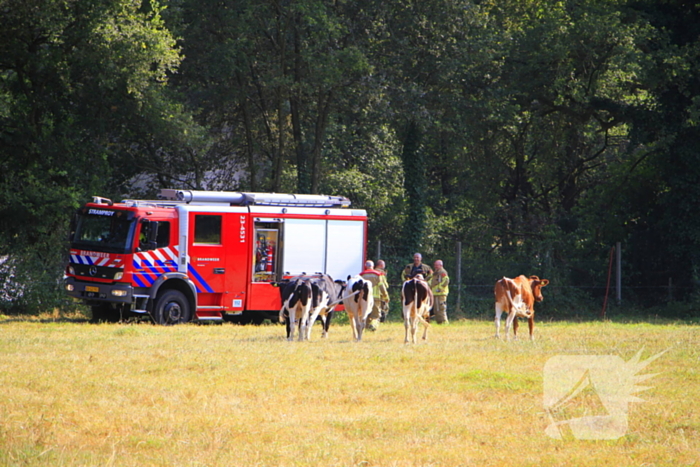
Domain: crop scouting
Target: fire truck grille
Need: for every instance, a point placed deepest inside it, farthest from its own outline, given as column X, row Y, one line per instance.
column 93, row 271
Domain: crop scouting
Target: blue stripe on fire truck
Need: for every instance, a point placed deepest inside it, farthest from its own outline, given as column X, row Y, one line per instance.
column 145, row 276
column 82, row 259
column 147, row 265
column 95, row 260
column 199, row 278
column 139, row 282
column 146, row 273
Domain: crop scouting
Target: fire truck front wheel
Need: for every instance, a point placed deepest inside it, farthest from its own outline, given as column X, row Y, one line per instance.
column 171, row 308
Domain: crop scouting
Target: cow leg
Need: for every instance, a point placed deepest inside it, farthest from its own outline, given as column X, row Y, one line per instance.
column 497, row 321
column 291, row 323
column 353, row 326
column 301, row 330
column 312, row 320
column 303, row 326
column 327, row 323
column 531, row 325
column 509, row 322
column 360, row 324
column 407, row 328
column 414, row 328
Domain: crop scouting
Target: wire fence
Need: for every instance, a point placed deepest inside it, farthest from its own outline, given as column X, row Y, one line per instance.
column 586, row 289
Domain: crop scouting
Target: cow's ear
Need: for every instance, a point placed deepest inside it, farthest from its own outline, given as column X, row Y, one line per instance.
column 348, row 279
column 544, row 282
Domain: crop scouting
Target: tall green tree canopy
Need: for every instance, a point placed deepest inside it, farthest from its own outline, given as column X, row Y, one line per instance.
column 82, row 84
column 536, row 132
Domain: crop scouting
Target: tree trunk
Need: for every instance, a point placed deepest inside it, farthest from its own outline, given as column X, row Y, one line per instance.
column 414, row 187
column 324, row 108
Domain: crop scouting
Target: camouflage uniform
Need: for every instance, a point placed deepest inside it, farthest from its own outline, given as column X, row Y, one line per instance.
column 411, row 270
column 439, row 284
column 383, row 303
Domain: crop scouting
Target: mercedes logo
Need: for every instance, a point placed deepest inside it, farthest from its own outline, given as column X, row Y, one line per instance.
column 93, row 270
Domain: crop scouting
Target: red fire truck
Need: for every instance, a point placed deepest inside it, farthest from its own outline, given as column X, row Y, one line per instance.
column 207, row 256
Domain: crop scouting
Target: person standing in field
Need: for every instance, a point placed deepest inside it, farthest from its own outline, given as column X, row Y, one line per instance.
column 379, row 292
column 439, row 284
column 415, row 268
column 383, row 304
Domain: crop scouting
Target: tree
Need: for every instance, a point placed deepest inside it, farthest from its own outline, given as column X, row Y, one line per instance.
column 77, row 82
column 268, row 77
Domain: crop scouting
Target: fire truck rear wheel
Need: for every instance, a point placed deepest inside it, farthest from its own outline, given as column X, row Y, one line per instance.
column 171, row 308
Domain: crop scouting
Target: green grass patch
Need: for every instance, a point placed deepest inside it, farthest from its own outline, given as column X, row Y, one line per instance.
column 138, row 394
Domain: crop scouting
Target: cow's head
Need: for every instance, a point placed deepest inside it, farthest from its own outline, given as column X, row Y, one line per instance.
column 536, row 284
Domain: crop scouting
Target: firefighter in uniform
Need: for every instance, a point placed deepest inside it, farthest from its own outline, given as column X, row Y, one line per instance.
column 415, row 268
column 383, row 304
column 439, row 284
column 379, row 293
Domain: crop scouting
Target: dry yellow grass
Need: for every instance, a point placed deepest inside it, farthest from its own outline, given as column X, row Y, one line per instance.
column 141, row 395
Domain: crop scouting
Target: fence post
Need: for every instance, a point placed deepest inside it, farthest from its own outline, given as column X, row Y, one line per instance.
column 458, row 276
column 618, row 272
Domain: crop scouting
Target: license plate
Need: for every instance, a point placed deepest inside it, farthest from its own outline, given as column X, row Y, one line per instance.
column 90, row 288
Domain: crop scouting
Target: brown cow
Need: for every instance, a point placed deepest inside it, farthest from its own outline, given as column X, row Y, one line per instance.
column 417, row 300
column 517, row 297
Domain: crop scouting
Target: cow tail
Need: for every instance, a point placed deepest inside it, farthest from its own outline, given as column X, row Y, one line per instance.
column 414, row 306
column 509, row 298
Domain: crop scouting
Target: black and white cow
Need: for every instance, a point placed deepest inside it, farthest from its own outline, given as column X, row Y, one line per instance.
column 297, row 296
column 358, row 301
column 417, row 300
column 326, row 294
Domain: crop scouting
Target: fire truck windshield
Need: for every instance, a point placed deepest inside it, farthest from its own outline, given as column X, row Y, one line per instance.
column 105, row 230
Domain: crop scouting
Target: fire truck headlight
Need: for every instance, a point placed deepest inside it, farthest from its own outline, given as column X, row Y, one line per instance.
column 69, row 287
column 118, row 276
column 119, row 293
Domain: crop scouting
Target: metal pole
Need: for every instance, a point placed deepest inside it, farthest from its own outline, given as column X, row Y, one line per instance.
column 458, row 276
column 618, row 273
column 379, row 250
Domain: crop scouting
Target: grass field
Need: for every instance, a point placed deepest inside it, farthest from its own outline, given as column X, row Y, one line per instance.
column 226, row 395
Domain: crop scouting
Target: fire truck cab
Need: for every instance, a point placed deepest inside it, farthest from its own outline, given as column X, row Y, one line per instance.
column 208, row 256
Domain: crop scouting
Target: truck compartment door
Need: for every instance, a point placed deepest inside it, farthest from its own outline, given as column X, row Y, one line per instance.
column 345, row 252
column 334, row 247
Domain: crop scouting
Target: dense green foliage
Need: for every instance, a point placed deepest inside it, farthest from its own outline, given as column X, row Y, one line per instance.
column 538, row 133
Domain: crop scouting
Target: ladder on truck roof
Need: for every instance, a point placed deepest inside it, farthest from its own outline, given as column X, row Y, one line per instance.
column 236, row 198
